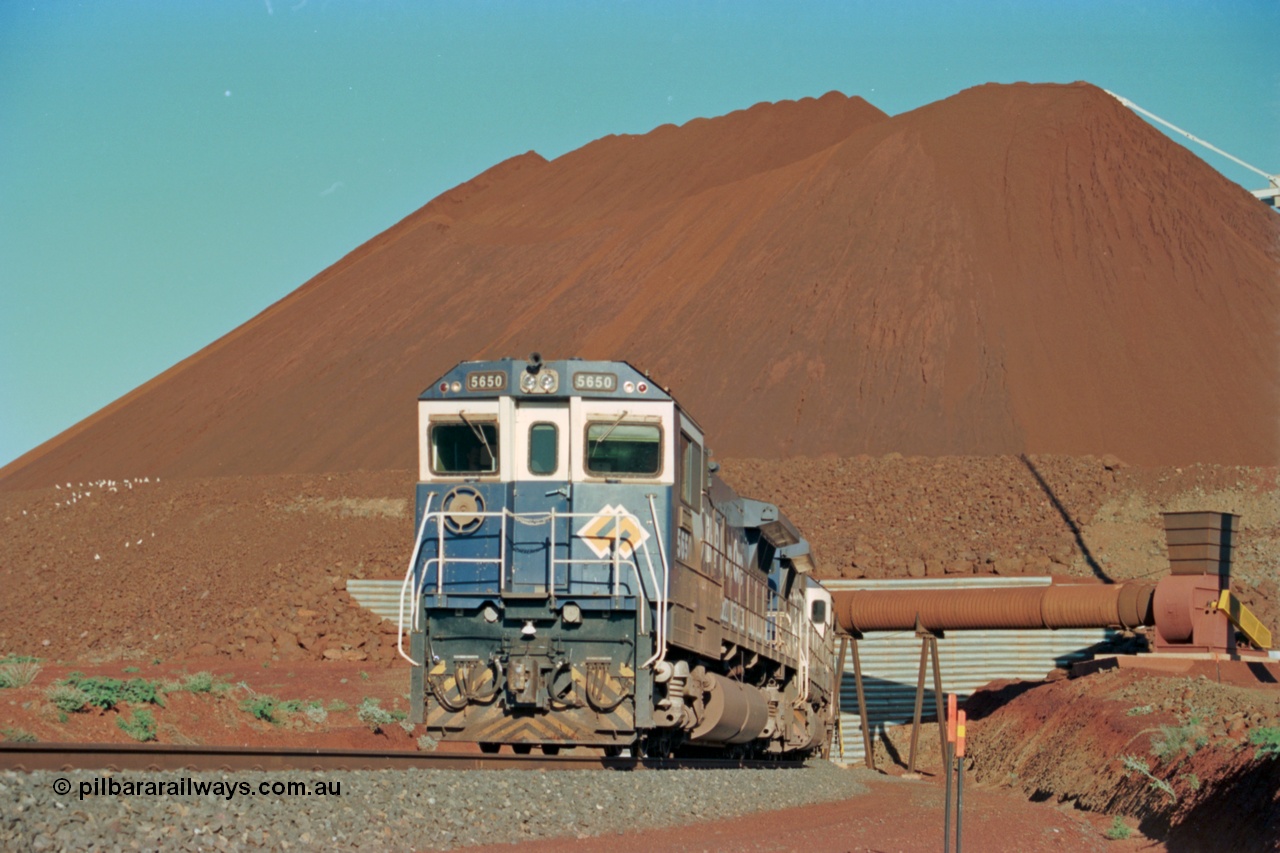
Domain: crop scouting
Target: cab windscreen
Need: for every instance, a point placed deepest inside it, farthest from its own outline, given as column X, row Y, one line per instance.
column 624, row 449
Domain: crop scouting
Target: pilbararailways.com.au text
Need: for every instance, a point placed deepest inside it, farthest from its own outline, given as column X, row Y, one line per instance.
column 185, row 786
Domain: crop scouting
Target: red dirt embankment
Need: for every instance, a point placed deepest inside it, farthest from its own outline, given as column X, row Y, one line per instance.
column 254, row 566
column 1179, row 754
column 1017, row 268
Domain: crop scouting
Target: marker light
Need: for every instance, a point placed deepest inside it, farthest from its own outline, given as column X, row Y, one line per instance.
column 528, row 630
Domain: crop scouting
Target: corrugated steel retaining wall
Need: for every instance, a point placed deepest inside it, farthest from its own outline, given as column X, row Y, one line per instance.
column 381, row 597
column 967, row 660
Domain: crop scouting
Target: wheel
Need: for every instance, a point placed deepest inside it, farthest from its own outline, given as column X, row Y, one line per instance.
column 490, row 748
column 522, row 748
column 548, row 749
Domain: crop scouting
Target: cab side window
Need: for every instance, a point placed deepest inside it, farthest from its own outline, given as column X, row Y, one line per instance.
column 692, row 470
column 818, row 612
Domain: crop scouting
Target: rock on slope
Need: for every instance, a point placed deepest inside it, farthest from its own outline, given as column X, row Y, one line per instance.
column 1015, row 268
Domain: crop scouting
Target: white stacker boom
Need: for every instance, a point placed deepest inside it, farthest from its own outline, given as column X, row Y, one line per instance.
column 1268, row 195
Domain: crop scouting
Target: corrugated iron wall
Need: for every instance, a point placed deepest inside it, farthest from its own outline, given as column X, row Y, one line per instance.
column 968, row 660
column 380, row 597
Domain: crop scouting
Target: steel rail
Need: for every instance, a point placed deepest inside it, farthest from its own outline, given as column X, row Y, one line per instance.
column 26, row 757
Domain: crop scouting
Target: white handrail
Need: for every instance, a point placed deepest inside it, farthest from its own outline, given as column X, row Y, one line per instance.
column 660, row 654
column 614, row 561
column 408, row 579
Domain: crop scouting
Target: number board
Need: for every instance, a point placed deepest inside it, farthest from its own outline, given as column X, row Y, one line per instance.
column 486, row 380
column 607, row 382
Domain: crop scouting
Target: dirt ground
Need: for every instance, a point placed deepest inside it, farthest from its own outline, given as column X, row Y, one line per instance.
column 901, row 815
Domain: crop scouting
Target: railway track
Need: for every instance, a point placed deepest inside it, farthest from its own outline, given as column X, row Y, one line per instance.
column 26, row 757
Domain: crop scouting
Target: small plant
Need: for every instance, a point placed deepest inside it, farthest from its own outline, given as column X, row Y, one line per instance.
column 262, row 706
column 131, row 669
column 141, row 726
column 427, row 743
column 316, row 713
column 1267, row 739
column 18, row 672
column 17, row 736
column 373, row 715
column 1137, row 765
column 67, row 697
column 406, row 725
column 337, row 706
column 1139, row 711
column 1192, row 780
column 1174, row 740
column 107, row 693
column 1119, row 830
column 364, row 675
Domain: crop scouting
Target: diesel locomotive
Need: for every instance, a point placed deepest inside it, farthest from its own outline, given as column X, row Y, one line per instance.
column 581, row 577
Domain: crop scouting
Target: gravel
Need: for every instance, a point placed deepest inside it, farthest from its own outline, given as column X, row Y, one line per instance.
column 385, row 810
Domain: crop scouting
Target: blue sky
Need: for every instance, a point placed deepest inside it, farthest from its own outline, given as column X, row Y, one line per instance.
column 169, row 169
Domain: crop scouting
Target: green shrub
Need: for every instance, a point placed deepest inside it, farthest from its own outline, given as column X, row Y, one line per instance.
column 1174, row 740
column 141, row 727
column 107, row 693
column 17, row 736
column 1139, row 711
column 1137, row 765
column 262, row 706
column 373, row 715
column 67, row 697
column 18, row 672
column 198, row 682
column 1267, row 739
column 1119, row 830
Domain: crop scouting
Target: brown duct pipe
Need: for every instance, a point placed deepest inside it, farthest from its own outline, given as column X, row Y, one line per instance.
column 1126, row 605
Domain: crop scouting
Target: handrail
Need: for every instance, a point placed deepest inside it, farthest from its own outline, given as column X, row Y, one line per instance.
column 804, row 650
column 532, row 518
column 408, row 578
column 615, row 561
column 660, row 653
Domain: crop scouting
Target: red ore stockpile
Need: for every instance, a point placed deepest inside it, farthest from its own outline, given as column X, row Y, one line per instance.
column 1017, row 268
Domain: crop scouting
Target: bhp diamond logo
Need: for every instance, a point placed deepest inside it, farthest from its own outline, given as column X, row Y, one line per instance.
column 612, row 523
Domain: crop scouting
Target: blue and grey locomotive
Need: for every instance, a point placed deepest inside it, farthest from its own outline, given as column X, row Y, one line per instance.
column 581, row 577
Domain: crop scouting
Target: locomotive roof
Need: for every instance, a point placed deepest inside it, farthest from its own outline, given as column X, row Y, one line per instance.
column 544, row 380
